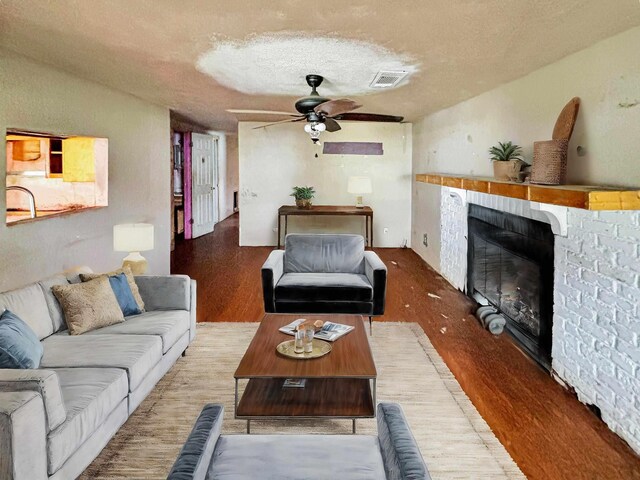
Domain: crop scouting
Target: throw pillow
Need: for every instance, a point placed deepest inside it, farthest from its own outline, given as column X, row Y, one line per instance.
column 89, row 305
column 130, row 279
column 19, row 345
column 122, row 291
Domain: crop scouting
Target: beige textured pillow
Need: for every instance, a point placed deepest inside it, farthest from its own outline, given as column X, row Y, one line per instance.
column 89, row 305
column 85, row 277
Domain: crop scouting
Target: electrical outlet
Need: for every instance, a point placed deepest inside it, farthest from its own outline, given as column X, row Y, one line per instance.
column 386, row 230
column 425, row 240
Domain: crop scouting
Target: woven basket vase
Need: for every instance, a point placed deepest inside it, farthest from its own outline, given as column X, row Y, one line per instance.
column 550, row 162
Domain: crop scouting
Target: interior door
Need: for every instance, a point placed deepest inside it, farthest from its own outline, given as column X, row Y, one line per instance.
column 203, row 184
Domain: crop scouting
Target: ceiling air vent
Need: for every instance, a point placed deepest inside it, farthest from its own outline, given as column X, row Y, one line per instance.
column 387, row 79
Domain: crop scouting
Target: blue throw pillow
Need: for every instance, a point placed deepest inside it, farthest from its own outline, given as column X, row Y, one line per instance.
column 122, row 291
column 19, row 346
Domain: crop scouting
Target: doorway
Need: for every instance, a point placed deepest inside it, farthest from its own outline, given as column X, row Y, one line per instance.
column 204, row 184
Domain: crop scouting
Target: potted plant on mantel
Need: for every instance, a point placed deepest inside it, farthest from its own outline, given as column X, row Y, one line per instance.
column 303, row 196
column 507, row 161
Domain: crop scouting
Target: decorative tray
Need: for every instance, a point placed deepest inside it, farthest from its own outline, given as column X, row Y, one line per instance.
column 320, row 348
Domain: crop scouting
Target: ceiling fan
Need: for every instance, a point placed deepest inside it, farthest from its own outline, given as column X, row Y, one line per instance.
column 321, row 113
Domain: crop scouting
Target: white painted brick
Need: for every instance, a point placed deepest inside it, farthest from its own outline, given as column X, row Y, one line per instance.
column 599, row 254
column 629, row 292
column 629, row 231
column 628, row 261
column 581, row 310
column 627, row 381
column 595, row 226
column 630, row 322
column 585, row 288
column 602, row 349
column 627, row 349
column 615, row 216
column 592, row 331
column 608, row 269
column 614, row 384
column 596, row 279
column 581, row 260
column 558, row 298
column 615, row 301
column 602, row 366
column 574, row 245
column 570, row 328
column 570, row 292
column 623, row 362
column 615, row 245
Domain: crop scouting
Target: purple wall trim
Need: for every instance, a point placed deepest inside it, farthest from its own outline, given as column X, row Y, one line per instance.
column 186, row 140
column 352, row 148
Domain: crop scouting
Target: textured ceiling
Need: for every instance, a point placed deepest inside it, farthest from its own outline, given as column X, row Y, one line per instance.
column 160, row 50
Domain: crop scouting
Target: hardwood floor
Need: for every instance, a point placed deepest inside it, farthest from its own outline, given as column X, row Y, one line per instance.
column 547, row 431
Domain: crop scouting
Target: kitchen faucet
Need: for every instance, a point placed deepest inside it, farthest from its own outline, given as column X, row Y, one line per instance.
column 32, row 199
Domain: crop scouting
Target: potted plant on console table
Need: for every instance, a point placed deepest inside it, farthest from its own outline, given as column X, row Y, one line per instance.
column 507, row 161
column 303, row 196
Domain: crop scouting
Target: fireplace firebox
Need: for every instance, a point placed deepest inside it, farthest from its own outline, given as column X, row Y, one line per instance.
column 510, row 264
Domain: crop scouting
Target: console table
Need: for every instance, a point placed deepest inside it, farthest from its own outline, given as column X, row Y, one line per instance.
column 336, row 210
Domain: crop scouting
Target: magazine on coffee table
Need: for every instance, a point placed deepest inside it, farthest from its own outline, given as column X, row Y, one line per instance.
column 330, row 331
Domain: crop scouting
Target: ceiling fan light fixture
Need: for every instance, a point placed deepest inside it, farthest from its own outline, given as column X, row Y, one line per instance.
column 314, row 129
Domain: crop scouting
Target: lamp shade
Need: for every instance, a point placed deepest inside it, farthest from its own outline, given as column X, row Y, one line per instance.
column 133, row 237
column 358, row 185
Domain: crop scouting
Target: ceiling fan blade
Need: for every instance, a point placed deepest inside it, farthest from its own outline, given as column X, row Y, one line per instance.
column 368, row 117
column 336, row 107
column 281, row 121
column 262, row 112
column 332, row 125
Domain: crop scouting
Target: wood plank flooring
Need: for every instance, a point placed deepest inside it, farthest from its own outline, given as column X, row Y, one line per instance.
column 546, row 430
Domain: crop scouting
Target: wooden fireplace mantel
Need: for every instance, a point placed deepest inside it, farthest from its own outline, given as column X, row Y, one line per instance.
column 576, row 196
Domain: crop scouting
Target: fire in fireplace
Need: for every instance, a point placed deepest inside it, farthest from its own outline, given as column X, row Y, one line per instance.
column 510, row 264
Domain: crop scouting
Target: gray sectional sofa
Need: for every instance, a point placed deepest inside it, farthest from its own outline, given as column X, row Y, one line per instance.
column 392, row 454
column 56, row 419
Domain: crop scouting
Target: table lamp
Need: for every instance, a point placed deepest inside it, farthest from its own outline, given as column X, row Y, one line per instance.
column 358, row 186
column 133, row 238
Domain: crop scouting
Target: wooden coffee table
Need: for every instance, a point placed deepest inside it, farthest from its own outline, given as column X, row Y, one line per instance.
column 342, row 384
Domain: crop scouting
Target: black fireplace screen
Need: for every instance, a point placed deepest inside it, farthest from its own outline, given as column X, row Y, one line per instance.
column 510, row 263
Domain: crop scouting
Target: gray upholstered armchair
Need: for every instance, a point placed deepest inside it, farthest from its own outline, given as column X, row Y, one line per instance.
column 324, row 274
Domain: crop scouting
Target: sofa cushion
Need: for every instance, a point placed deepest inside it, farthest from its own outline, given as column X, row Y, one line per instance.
column 297, row 456
column 169, row 325
column 19, row 346
column 90, row 395
column 89, row 305
column 324, row 287
column 324, row 253
column 55, row 310
column 29, row 304
column 86, row 277
column 137, row 354
column 122, row 291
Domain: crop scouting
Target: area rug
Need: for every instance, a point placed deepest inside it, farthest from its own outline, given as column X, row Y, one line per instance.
column 455, row 441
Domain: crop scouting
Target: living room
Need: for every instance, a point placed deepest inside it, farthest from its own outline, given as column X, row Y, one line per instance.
column 543, row 392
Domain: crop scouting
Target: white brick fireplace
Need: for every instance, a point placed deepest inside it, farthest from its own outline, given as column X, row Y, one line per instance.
column 596, row 319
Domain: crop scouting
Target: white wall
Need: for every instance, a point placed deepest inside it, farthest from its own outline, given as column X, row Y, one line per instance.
column 275, row 159
column 40, row 98
column 605, row 76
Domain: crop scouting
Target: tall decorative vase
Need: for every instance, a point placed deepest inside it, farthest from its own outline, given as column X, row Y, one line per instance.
column 550, row 162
